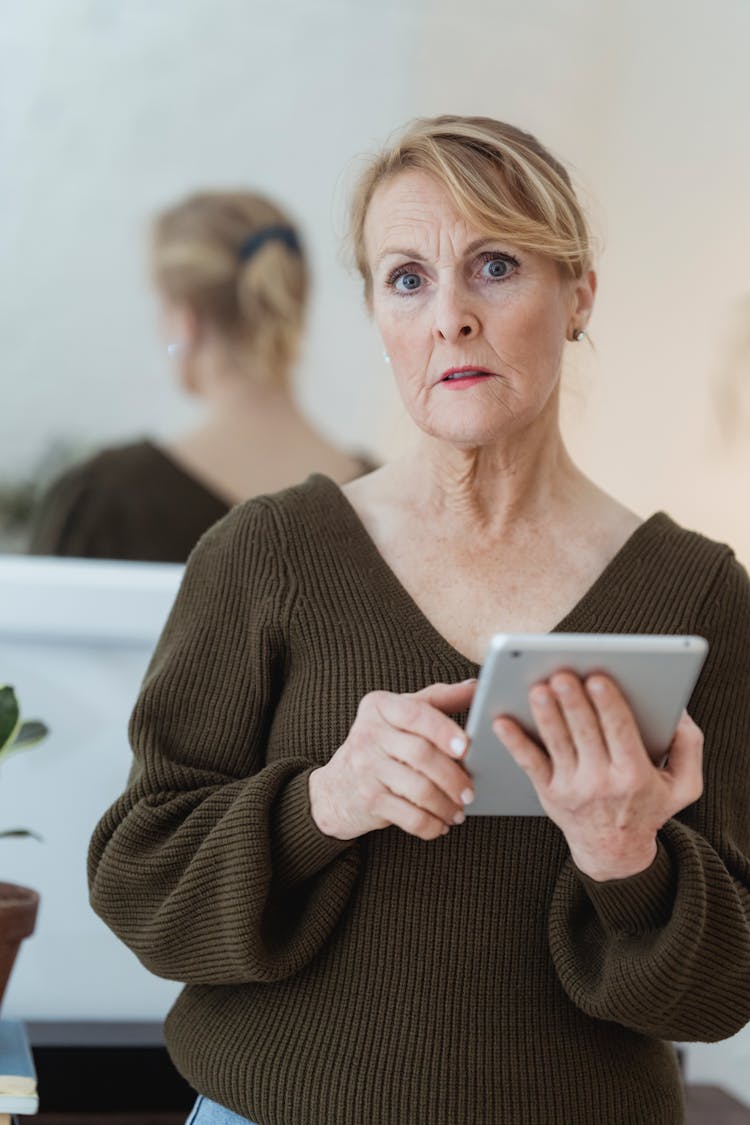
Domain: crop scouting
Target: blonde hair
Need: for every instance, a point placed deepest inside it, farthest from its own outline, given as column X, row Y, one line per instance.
column 258, row 302
column 501, row 180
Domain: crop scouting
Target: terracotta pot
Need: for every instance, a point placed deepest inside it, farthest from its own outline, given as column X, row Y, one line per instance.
column 18, row 907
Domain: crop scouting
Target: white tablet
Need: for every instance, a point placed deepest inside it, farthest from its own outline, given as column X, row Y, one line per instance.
column 656, row 674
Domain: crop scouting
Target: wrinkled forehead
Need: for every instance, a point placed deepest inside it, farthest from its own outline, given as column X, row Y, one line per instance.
column 412, row 211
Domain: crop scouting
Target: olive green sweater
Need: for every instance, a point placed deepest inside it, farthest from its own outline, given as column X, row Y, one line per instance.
column 479, row 979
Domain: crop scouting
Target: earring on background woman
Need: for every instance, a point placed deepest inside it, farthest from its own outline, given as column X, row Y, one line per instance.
column 578, row 334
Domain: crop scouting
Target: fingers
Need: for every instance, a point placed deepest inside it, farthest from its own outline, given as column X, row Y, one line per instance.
column 426, row 764
column 582, row 727
column 410, row 818
column 553, row 728
column 419, row 714
column 592, row 722
column 416, row 788
column 450, row 698
column 619, row 728
column 534, row 761
column 404, row 756
column 685, row 764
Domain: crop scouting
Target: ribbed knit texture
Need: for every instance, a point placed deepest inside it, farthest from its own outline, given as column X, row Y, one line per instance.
column 479, row 979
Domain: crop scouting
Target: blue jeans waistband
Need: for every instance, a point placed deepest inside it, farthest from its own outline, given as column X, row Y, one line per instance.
column 206, row 1112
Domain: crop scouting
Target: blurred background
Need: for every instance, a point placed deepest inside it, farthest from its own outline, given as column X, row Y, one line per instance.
column 109, row 111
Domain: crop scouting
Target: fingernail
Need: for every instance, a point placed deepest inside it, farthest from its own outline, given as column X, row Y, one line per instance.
column 467, row 796
column 445, row 831
column 457, row 745
column 596, row 686
column 459, row 818
column 471, row 680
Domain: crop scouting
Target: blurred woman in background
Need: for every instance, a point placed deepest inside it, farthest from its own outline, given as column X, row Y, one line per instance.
column 233, row 285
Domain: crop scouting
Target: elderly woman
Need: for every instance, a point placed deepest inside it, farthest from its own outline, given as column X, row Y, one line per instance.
column 293, row 842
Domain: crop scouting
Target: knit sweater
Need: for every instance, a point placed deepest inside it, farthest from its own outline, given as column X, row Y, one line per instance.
column 478, row 979
column 130, row 502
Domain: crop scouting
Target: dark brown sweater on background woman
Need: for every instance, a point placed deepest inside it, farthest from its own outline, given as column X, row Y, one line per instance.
column 130, row 502
column 479, row 979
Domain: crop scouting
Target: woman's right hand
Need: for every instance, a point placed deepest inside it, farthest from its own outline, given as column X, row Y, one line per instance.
column 401, row 765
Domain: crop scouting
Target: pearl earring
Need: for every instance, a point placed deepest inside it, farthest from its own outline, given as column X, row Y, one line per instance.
column 386, row 357
column 578, row 334
column 175, row 348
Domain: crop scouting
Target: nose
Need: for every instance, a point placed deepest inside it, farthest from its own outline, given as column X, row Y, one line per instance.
column 455, row 319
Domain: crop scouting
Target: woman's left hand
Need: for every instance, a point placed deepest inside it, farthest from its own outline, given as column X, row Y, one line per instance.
column 596, row 780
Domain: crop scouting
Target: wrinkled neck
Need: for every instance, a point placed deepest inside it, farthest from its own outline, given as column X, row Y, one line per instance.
column 495, row 485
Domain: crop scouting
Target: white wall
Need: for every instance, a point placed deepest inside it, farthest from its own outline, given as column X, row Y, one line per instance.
column 108, row 110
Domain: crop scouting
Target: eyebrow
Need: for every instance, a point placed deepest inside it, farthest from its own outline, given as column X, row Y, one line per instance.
column 415, row 256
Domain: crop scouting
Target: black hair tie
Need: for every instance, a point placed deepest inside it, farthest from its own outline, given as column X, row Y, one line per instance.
column 253, row 243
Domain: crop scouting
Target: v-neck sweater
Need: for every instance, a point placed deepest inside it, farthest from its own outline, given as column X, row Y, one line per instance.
column 478, row 979
column 132, row 502
column 129, row 502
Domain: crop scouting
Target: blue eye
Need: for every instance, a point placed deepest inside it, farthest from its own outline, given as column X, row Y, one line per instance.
column 407, row 282
column 497, row 268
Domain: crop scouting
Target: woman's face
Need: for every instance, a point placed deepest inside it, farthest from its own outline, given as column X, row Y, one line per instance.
column 474, row 327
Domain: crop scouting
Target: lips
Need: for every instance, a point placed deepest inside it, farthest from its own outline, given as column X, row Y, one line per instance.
column 455, row 373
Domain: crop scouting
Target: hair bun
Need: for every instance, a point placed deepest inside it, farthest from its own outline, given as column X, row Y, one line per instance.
column 272, row 288
column 252, row 288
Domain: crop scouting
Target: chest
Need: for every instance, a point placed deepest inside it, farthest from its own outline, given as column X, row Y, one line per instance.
column 469, row 592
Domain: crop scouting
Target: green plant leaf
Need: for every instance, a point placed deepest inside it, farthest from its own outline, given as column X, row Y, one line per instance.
column 9, row 716
column 28, row 734
column 20, row 832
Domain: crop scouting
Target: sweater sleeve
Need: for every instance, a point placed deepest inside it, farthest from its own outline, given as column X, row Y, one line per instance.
column 210, row 866
column 667, row 952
